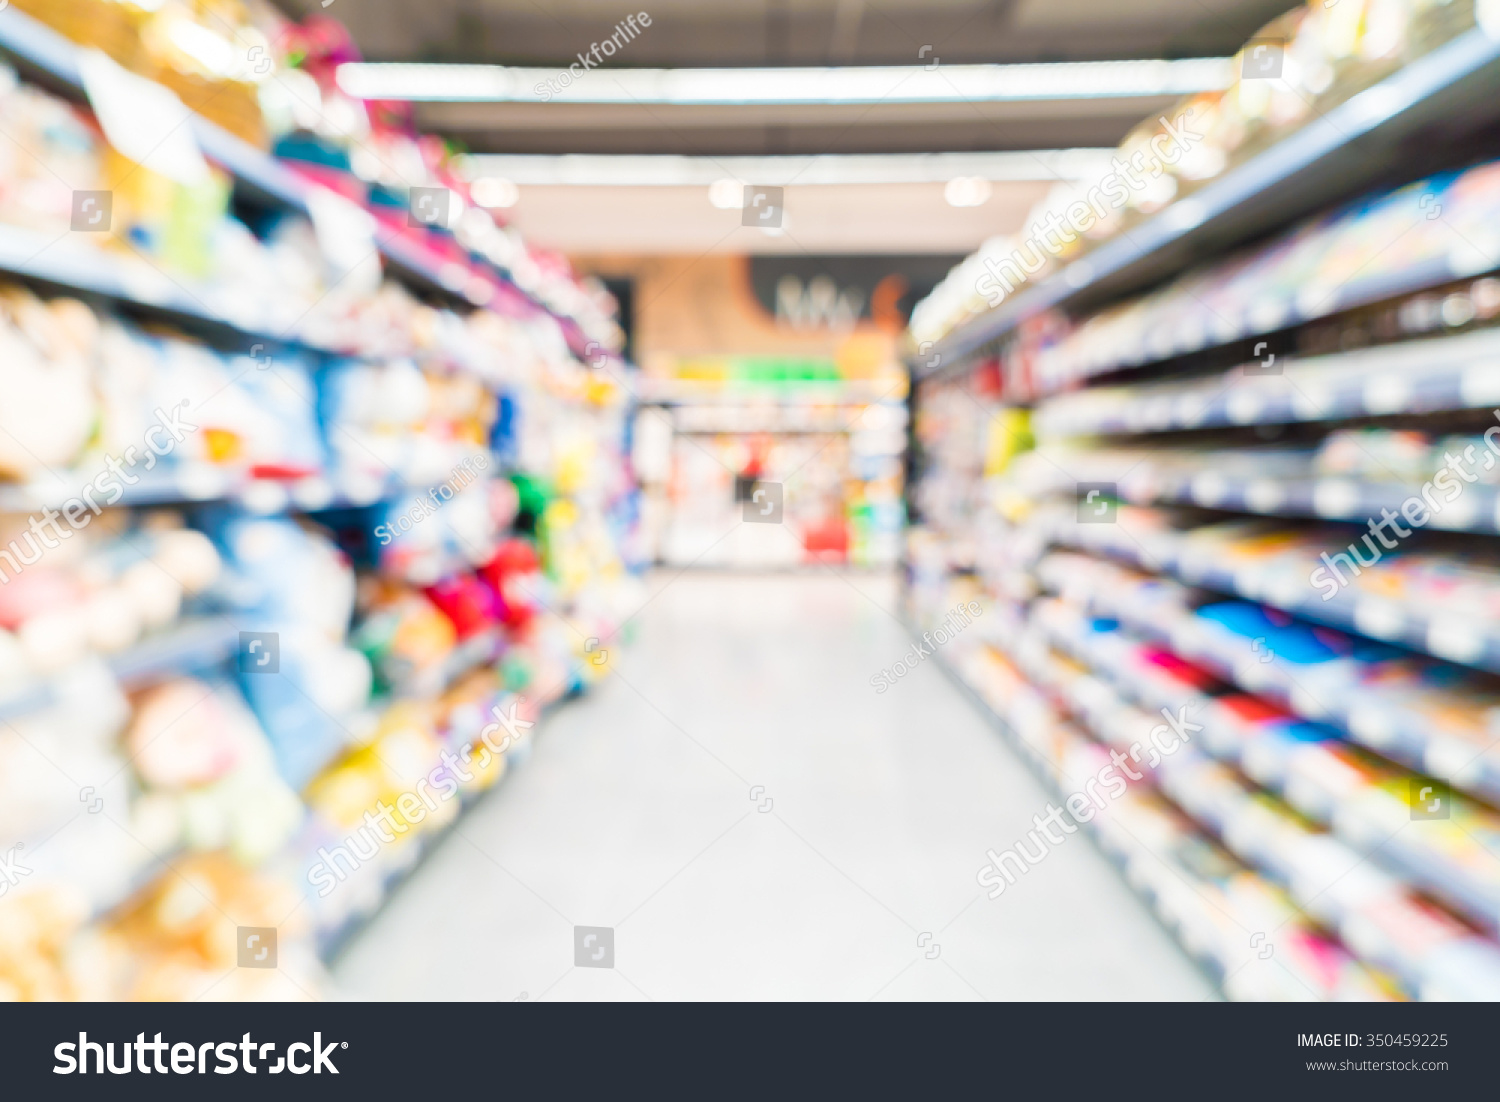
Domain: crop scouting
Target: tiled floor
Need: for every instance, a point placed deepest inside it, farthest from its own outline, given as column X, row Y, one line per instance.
column 754, row 822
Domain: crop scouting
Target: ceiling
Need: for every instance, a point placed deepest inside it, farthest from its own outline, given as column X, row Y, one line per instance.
column 788, row 128
column 739, row 33
column 824, row 216
column 890, row 218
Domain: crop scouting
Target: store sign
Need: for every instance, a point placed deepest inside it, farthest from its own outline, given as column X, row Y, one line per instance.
column 834, row 293
column 821, row 304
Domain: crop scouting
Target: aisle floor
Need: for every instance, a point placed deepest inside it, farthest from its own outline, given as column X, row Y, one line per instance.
column 753, row 821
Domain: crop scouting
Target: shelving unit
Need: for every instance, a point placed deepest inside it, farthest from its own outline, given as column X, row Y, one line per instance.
column 1195, row 887
column 204, row 643
column 193, row 644
column 1308, row 839
column 139, row 288
column 1322, row 685
column 1360, row 144
column 1366, row 818
column 1439, row 633
column 49, row 59
column 1212, row 967
column 1328, row 498
column 1415, row 377
column 332, row 941
column 1186, row 579
column 192, row 485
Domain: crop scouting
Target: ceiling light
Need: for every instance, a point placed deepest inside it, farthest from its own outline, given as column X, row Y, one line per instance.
column 727, row 194
column 722, row 175
column 850, row 84
column 494, row 191
column 967, row 191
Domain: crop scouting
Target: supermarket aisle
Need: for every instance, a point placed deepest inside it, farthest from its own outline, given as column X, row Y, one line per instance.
column 635, row 812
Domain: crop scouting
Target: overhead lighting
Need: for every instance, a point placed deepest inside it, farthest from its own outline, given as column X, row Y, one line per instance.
column 494, row 191
column 727, row 194
column 850, row 84
column 725, row 177
column 967, row 191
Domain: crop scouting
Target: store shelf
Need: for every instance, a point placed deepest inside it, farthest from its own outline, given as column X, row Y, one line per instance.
column 332, row 940
column 1371, row 705
column 1388, row 925
column 197, row 484
column 1355, row 146
column 301, row 577
column 1478, row 510
column 51, row 60
column 1213, row 968
column 1172, row 888
column 1309, row 774
column 1141, row 481
column 189, row 647
column 1315, row 742
column 30, row 697
column 40, row 53
column 1441, row 634
column 160, row 486
column 1414, row 377
column 136, row 285
column 833, row 392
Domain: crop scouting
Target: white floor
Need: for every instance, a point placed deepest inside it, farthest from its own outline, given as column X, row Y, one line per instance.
column 849, row 874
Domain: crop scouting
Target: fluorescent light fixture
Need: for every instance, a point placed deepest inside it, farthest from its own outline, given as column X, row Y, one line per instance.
column 967, row 191
column 852, row 84
column 727, row 194
column 726, row 176
column 494, row 191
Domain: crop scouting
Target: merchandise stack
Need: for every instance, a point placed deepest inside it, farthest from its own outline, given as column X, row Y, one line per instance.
column 310, row 504
column 827, row 436
column 1282, row 93
column 1236, row 523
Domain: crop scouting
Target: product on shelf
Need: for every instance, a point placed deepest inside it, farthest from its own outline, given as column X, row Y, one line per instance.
column 178, row 939
column 1365, row 252
column 129, row 879
column 1428, row 715
column 160, row 235
column 212, row 55
column 167, row 222
column 1292, row 72
column 1329, row 873
column 1294, row 553
column 1209, row 898
column 840, row 488
column 1362, row 798
column 277, row 554
column 98, row 591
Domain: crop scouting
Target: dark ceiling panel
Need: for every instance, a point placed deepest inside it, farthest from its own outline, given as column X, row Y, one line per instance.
column 948, row 134
column 689, row 33
column 775, row 32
